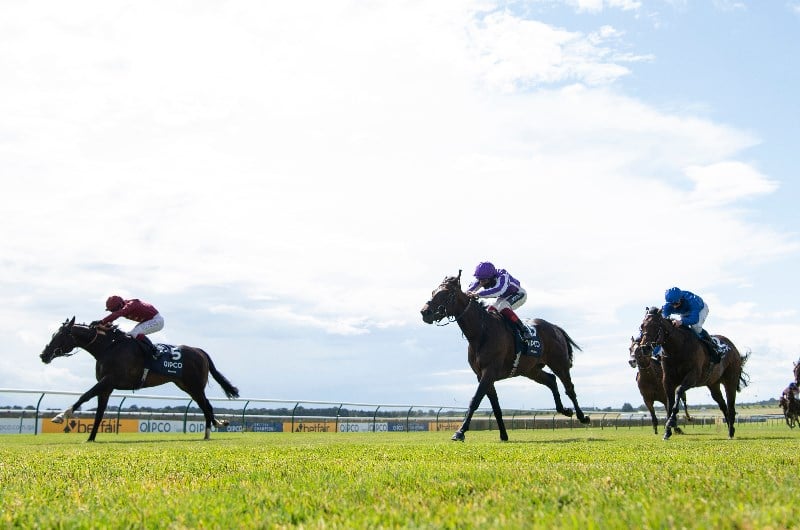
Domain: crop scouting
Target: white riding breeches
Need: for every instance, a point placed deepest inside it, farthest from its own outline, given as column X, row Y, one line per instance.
column 148, row 326
column 698, row 328
column 512, row 302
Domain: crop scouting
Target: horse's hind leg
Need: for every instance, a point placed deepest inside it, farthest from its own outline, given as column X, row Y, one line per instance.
column 491, row 393
column 716, row 395
column 205, row 405
column 730, row 393
column 549, row 380
column 653, row 417
column 569, row 389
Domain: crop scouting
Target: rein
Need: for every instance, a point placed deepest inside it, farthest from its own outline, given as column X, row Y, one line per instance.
column 60, row 353
column 452, row 318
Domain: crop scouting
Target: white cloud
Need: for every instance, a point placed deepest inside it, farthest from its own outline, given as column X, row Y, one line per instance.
column 319, row 167
column 728, row 181
column 596, row 6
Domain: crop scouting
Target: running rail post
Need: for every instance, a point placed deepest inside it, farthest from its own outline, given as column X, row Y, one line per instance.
column 375, row 419
column 36, row 418
column 119, row 411
column 244, row 425
column 186, row 415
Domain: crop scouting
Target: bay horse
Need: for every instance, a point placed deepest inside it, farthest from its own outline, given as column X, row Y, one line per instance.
column 120, row 364
column 492, row 354
column 687, row 364
column 650, row 380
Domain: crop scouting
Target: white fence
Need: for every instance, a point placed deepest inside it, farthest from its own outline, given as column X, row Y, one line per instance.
column 134, row 412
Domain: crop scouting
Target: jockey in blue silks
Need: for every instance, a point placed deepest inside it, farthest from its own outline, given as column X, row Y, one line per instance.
column 510, row 295
column 692, row 312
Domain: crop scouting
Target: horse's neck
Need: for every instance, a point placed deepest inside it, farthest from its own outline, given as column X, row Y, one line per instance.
column 471, row 320
column 91, row 340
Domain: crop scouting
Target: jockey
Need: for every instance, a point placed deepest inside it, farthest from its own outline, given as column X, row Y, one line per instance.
column 500, row 284
column 692, row 312
column 792, row 392
column 148, row 318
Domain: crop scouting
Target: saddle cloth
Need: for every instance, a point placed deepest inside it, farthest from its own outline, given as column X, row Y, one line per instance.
column 169, row 361
column 534, row 345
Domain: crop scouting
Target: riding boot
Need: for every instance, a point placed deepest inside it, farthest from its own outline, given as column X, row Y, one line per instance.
column 706, row 338
column 524, row 336
column 150, row 346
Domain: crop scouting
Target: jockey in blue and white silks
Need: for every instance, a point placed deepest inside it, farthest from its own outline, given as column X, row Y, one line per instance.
column 691, row 308
column 509, row 294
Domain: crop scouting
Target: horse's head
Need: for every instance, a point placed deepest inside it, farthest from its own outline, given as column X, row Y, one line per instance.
column 443, row 300
column 654, row 328
column 641, row 353
column 61, row 344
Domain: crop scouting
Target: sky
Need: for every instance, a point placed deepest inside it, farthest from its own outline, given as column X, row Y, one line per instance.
column 288, row 182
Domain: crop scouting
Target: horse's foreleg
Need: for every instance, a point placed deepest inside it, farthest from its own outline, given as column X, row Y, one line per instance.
column 89, row 394
column 671, row 404
column 102, row 403
column 474, row 403
column 491, row 393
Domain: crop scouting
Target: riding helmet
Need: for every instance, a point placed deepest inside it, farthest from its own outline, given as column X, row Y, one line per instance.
column 673, row 295
column 485, row 270
column 114, row 303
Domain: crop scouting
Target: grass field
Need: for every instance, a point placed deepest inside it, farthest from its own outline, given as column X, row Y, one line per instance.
column 578, row 478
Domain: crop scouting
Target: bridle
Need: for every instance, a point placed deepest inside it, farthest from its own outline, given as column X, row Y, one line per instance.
column 661, row 336
column 441, row 309
column 59, row 351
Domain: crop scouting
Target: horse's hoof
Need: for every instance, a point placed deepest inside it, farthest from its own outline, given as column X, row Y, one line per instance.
column 585, row 419
column 58, row 419
column 667, row 436
column 504, row 437
column 458, row 437
column 567, row 412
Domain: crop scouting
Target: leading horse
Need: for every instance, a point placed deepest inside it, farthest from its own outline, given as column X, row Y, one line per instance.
column 687, row 364
column 492, row 354
column 120, row 364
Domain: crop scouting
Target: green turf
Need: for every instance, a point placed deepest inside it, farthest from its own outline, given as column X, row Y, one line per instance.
column 580, row 478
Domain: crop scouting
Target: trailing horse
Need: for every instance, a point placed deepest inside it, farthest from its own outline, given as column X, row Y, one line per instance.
column 121, row 363
column 650, row 380
column 791, row 410
column 492, row 354
column 686, row 362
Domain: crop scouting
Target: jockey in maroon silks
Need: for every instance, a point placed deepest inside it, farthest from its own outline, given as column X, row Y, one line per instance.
column 510, row 295
column 148, row 318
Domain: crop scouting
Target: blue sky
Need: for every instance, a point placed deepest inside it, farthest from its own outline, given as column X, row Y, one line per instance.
column 288, row 183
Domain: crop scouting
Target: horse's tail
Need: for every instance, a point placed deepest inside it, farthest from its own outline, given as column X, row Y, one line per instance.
column 744, row 378
column 230, row 390
column 570, row 343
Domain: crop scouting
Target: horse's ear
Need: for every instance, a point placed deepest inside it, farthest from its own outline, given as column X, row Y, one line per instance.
column 71, row 322
column 459, row 276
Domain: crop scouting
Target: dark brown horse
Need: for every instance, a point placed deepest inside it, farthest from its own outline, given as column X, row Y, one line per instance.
column 120, row 364
column 491, row 351
column 650, row 380
column 687, row 364
column 791, row 409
